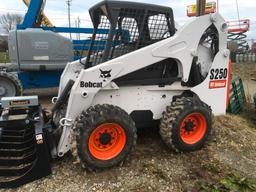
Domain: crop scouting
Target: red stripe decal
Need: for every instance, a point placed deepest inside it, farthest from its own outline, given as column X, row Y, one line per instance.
column 217, row 84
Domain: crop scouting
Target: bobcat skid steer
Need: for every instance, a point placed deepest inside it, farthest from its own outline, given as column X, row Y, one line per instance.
column 148, row 72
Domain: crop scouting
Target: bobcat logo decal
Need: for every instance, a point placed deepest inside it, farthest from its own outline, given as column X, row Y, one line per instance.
column 105, row 74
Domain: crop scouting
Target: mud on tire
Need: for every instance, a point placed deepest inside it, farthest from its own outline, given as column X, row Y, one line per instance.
column 105, row 136
column 186, row 124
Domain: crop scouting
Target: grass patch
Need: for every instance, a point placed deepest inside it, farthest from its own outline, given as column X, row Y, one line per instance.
column 234, row 183
column 4, row 58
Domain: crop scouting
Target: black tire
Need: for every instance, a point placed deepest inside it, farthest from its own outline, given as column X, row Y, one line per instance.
column 87, row 123
column 10, row 77
column 172, row 123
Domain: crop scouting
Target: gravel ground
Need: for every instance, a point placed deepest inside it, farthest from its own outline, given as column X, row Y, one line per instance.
column 248, row 74
column 153, row 167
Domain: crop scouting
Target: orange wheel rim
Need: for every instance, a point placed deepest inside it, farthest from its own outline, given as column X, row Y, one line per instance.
column 107, row 141
column 193, row 128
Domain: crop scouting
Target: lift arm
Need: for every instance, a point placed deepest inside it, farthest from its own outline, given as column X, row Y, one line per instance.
column 45, row 21
column 34, row 16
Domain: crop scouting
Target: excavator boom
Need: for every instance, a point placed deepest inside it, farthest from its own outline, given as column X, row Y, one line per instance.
column 45, row 21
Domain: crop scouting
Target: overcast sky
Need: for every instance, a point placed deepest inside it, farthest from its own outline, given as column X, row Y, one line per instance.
column 56, row 10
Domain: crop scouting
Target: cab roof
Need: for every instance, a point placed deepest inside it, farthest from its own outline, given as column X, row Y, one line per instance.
column 111, row 9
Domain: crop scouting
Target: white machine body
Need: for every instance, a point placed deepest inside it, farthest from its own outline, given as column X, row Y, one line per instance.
column 91, row 87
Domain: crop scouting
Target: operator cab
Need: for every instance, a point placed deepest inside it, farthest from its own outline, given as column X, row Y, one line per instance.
column 132, row 26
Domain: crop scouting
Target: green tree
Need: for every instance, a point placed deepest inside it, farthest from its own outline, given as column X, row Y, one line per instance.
column 9, row 21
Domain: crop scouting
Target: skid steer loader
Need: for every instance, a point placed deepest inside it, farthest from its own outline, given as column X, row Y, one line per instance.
column 153, row 72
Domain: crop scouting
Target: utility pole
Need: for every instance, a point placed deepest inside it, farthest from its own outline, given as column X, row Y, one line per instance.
column 200, row 10
column 218, row 9
column 78, row 26
column 69, row 20
column 237, row 9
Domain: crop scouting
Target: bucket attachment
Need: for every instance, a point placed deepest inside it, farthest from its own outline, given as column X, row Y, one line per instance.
column 24, row 152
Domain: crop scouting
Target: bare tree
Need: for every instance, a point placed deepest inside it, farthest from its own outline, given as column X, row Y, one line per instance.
column 9, row 21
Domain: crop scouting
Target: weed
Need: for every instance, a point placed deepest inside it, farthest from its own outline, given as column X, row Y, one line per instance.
column 234, row 183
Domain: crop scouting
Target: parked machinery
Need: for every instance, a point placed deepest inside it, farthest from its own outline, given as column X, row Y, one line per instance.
column 237, row 39
column 148, row 71
column 237, row 33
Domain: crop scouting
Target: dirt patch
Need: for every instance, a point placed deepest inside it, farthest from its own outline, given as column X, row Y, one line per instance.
column 247, row 72
column 236, row 143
